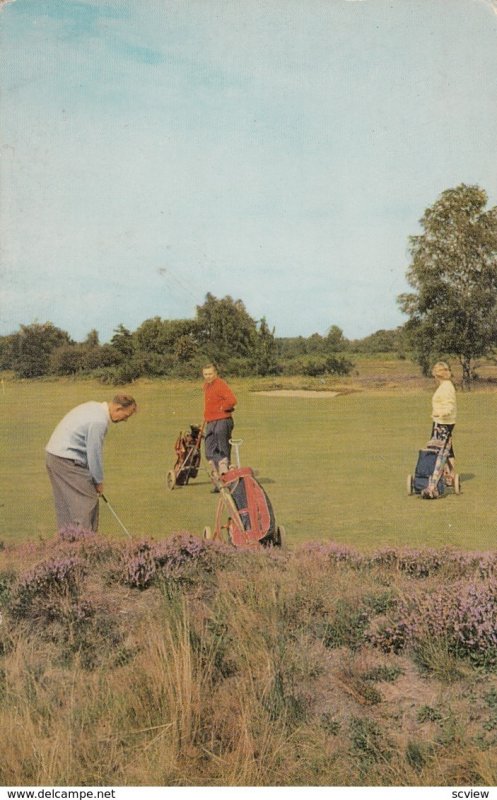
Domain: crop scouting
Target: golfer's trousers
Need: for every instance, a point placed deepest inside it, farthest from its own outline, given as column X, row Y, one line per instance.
column 217, row 440
column 75, row 496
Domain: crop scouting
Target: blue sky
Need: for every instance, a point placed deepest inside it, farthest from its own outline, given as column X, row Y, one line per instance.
column 280, row 151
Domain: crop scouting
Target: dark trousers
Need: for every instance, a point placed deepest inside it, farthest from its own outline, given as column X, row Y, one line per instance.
column 217, row 441
column 75, row 496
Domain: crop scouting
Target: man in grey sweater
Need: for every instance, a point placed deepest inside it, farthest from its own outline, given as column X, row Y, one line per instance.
column 74, row 459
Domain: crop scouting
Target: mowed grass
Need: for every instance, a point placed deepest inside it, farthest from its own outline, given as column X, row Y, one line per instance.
column 334, row 468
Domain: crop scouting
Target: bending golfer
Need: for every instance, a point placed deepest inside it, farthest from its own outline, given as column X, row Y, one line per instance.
column 74, row 459
column 219, row 404
column 444, row 410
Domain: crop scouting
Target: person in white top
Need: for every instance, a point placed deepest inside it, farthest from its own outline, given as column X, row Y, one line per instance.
column 444, row 412
column 74, row 459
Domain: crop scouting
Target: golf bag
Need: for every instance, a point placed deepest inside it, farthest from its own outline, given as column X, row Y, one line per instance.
column 427, row 468
column 255, row 521
column 187, row 448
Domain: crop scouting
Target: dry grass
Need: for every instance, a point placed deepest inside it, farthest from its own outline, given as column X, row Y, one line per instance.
column 241, row 669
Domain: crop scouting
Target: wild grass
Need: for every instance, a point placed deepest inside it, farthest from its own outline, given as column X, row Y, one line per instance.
column 241, row 668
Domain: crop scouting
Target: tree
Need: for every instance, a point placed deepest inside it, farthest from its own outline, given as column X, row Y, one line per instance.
column 335, row 341
column 291, row 346
column 101, row 357
column 185, row 349
column 225, row 329
column 160, row 336
column 92, row 339
column 32, row 347
column 264, row 356
column 453, row 310
column 7, row 344
column 381, row 341
column 68, row 359
column 122, row 341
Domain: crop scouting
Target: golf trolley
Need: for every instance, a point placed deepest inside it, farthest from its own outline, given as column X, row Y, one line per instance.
column 187, row 448
column 244, row 514
column 432, row 475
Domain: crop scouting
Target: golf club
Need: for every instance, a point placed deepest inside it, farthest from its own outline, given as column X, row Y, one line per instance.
column 114, row 513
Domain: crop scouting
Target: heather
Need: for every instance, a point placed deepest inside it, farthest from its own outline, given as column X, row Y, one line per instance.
column 178, row 661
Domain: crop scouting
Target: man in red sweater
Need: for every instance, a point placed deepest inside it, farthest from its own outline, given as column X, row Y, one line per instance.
column 219, row 403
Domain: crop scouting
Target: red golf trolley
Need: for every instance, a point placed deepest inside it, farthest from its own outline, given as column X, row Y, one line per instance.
column 244, row 514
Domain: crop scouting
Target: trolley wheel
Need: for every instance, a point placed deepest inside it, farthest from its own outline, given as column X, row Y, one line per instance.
column 207, row 533
column 409, row 485
column 280, row 537
column 457, row 484
column 171, row 479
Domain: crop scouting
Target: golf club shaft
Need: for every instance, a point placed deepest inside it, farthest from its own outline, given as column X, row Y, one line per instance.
column 115, row 515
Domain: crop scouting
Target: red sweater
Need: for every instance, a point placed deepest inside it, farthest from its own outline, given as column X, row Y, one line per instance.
column 219, row 400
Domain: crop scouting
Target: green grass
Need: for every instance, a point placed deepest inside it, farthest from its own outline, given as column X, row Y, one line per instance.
column 334, row 468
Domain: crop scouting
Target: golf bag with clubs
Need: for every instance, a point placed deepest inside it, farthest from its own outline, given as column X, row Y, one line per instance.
column 432, row 476
column 187, row 449
column 248, row 515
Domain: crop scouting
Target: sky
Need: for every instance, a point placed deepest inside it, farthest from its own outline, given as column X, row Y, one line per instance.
column 277, row 151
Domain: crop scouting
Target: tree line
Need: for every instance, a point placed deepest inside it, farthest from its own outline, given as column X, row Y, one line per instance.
column 452, row 313
column 222, row 331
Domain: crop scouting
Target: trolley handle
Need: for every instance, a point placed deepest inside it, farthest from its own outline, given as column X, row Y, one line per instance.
column 236, row 444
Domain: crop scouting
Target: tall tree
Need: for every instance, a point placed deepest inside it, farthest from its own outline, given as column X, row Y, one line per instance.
column 225, row 329
column 92, row 339
column 335, row 341
column 264, row 356
column 453, row 309
column 122, row 341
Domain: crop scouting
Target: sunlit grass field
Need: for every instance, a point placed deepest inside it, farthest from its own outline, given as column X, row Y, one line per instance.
column 334, row 468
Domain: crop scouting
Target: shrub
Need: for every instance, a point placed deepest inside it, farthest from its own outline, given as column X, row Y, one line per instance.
column 463, row 615
column 68, row 359
column 139, row 567
column 334, row 552
column 118, row 376
column 75, row 533
column 428, row 714
column 368, row 742
column 172, row 558
column 348, row 626
column 7, row 579
column 39, row 591
column 383, row 672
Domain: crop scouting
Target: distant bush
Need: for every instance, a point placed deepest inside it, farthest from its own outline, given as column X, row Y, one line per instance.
column 315, row 366
column 101, row 356
column 69, row 359
column 118, row 376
